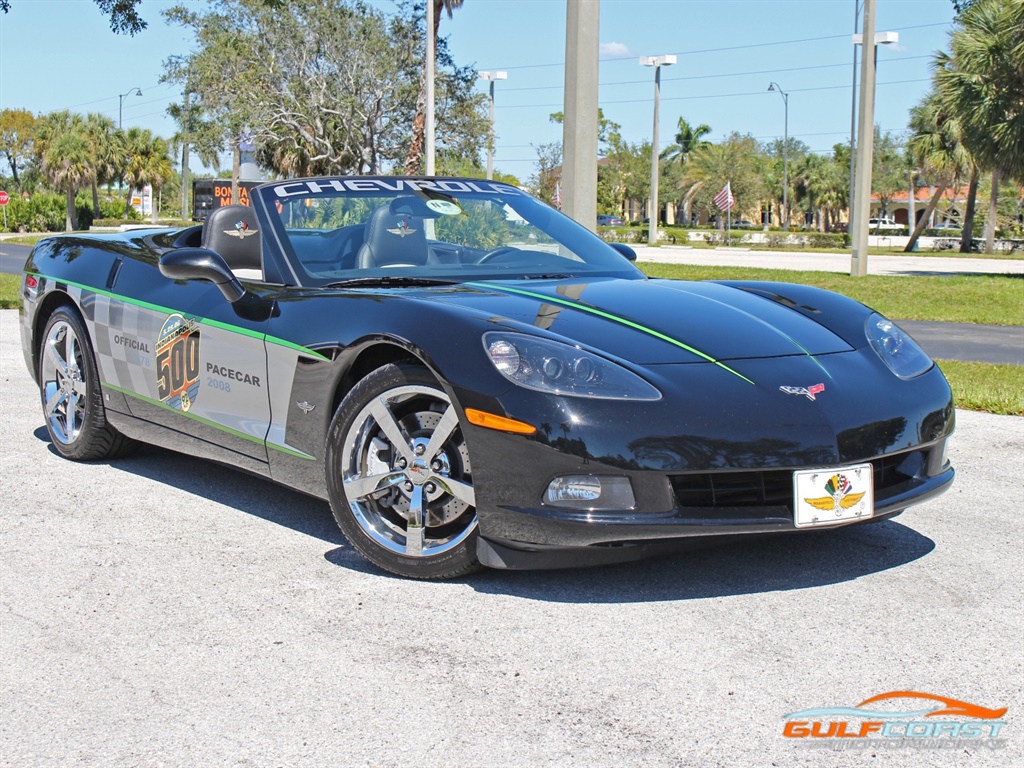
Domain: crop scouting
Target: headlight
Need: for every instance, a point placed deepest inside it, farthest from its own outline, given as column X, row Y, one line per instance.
column 897, row 350
column 550, row 366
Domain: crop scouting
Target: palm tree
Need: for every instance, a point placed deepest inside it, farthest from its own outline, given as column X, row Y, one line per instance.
column 107, row 146
column 148, row 163
column 415, row 156
column 65, row 157
column 980, row 83
column 687, row 139
column 936, row 149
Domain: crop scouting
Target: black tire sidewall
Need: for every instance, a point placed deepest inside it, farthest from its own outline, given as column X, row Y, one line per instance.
column 97, row 438
column 459, row 560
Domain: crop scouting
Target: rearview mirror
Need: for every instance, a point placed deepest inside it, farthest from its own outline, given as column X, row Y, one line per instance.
column 202, row 264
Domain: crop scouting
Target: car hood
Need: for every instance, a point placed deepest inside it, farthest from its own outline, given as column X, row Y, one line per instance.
column 649, row 322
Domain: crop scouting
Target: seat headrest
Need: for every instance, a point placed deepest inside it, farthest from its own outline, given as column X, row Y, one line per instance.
column 234, row 233
column 394, row 237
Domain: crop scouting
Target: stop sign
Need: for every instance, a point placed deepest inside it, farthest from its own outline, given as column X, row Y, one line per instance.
column 4, row 198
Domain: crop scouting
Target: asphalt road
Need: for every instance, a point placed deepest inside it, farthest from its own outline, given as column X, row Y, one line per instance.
column 162, row 611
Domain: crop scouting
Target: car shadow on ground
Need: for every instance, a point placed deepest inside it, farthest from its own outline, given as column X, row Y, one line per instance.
column 705, row 569
column 708, row 569
column 230, row 487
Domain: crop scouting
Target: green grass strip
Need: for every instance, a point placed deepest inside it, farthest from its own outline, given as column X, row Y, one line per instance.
column 209, row 423
column 986, row 387
column 202, row 321
column 608, row 316
column 961, row 298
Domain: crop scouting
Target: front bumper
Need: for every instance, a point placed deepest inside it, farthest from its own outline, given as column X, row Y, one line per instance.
column 545, row 537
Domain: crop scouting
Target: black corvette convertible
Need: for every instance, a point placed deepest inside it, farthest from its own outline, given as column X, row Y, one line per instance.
column 472, row 378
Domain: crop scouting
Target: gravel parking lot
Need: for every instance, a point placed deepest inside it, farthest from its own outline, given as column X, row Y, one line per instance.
column 162, row 611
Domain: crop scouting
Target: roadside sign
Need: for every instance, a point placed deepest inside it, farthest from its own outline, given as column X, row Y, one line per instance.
column 4, row 198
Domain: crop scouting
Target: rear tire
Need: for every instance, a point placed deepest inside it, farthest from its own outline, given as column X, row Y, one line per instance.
column 69, row 386
column 399, row 476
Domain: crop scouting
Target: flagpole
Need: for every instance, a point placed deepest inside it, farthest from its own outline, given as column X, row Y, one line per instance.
column 728, row 217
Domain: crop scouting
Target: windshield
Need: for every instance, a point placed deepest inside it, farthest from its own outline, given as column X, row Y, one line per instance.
column 335, row 230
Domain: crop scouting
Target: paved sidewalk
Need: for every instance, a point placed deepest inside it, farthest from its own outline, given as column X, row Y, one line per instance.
column 826, row 262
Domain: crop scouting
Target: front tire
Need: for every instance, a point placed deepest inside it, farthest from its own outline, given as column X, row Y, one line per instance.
column 400, row 478
column 69, row 386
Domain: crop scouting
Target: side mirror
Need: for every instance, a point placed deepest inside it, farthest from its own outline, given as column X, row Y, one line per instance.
column 202, row 264
column 625, row 250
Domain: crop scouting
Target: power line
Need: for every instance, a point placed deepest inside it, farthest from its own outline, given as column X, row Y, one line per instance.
column 844, row 36
column 711, row 96
column 845, row 64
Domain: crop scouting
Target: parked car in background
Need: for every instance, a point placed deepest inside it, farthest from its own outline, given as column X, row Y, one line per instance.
column 743, row 224
column 609, row 220
column 885, row 224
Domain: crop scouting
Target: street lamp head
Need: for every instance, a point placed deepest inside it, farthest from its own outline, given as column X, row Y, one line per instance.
column 138, row 91
column 658, row 61
column 492, row 75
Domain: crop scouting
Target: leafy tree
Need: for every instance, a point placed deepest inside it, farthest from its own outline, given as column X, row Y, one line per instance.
column 549, row 164
column 65, row 158
column 123, row 14
column 889, row 168
column 607, row 130
column 775, row 159
column 325, row 87
column 17, row 131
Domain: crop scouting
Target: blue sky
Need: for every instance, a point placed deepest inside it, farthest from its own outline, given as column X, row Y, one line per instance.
column 57, row 54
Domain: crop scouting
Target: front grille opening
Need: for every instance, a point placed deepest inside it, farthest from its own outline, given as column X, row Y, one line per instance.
column 756, row 491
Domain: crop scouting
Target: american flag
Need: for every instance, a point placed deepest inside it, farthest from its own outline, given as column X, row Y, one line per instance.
column 724, row 199
column 557, row 199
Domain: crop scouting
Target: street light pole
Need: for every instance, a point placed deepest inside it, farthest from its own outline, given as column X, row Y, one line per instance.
column 657, row 62
column 491, row 77
column 428, row 112
column 865, row 147
column 853, row 118
column 120, row 102
column 579, row 128
column 785, row 150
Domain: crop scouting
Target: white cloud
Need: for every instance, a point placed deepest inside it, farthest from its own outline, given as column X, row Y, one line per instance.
column 615, row 49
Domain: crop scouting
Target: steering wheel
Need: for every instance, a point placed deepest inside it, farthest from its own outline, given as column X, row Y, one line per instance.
column 495, row 253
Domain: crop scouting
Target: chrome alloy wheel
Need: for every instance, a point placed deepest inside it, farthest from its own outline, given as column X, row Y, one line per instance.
column 407, row 474
column 63, row 382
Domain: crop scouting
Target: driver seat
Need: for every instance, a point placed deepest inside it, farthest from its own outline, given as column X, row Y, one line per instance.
column 393, row 239
column 233, row 232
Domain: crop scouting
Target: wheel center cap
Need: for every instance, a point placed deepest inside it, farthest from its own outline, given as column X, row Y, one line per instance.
column 418, row 471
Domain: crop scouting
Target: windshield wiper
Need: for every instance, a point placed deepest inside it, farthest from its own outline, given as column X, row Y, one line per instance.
column 545, row 277
column 389, row 281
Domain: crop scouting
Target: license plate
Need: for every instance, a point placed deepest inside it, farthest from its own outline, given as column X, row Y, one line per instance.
column 829, row 496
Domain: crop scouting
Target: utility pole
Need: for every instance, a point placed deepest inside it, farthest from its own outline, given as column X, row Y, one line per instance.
column 865, row 146
column 491, row 77
column 185, row 119
column 428, row 129
column 579, row 128
column 657, row 62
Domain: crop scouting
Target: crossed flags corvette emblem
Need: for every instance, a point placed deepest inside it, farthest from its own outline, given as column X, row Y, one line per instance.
column 241, row 230
column 810, row 392
column 402, row 229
